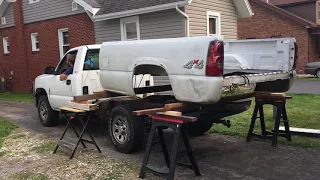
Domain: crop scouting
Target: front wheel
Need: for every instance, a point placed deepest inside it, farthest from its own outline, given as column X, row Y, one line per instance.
column 48, row 117
column 126, row 130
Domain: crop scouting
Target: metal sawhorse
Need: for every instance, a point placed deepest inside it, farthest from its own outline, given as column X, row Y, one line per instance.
column 76, row 114
column 278, row 100
column 176, row 123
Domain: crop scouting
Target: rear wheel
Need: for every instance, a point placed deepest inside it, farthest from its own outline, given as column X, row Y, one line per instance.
column 48, row 117
column 126, row 130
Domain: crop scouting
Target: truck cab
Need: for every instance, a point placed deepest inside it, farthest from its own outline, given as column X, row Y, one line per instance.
column 51, row 93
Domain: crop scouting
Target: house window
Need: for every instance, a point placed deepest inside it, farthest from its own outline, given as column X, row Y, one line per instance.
column 35, row 42
column 213, row 23
column 319, row 10
column 3, row 20
column 74, row 6
column 33, row 1
column 6, row 49
column 63, row 41
column 130, row 28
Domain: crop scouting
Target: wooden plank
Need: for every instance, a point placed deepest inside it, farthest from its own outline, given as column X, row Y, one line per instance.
column 171, row 113
column 173, row 106
column 302, row 131
column 95, row 95
column 151, row 89
column 167, row 107
column 84, row 97
column 72, row 110
column 148, row 111
column 86, row 107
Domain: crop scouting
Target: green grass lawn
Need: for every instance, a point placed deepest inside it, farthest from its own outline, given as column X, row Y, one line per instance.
column 17, row 97
column 5, row 129
column 308, row 78
column 303, row 112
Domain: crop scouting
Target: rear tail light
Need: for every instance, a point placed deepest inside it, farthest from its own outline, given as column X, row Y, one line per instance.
column 296, row 55
column 215, row 59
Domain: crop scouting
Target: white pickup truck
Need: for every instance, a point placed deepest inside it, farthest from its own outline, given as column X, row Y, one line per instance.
column 198, row 69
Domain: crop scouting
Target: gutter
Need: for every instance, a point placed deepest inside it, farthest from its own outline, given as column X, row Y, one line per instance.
column 87, row 7
column 187, row 19
column 139, row 11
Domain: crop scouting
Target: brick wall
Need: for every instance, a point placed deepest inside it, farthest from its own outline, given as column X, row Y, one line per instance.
column 26, row 64
column 313, row 51
column 81, row 32
column 266, row 23
column 7, row 60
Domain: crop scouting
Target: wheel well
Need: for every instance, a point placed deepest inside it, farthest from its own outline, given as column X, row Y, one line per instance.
column 38, row 93
column 153, row 70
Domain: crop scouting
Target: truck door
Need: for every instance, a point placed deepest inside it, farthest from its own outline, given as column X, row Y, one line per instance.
column 90, row 74
column 61, row 91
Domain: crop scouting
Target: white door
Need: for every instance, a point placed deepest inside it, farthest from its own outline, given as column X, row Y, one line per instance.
column 61, row 91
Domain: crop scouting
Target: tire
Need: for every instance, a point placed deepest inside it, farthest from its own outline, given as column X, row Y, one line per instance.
column 126, row 130
column 318, row 73
column 48, row 117
column 199, row 127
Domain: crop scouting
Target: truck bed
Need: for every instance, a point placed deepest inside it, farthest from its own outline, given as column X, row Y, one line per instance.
column 186, row 64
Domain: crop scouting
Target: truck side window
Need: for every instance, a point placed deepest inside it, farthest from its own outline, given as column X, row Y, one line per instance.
column 91, row 61
column 63, row 64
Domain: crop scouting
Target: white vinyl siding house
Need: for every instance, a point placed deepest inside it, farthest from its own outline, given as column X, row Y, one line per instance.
column 162, row 24
column 200, row 11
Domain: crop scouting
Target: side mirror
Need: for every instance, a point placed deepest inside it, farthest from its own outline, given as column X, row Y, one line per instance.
column 49, row 70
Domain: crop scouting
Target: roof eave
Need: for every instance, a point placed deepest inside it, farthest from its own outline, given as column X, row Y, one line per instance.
column 287, row 14
column 87, row 7
column 243, row 8
column 121, row 14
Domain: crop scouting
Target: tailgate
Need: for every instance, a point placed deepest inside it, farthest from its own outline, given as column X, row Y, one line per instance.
column 258, row 60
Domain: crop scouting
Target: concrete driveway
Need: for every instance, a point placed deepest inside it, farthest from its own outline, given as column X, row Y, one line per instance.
column 304, row 86
column 218, row 156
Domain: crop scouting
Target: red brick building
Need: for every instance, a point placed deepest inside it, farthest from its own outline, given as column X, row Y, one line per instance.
column 283, row 21
column 34, row 35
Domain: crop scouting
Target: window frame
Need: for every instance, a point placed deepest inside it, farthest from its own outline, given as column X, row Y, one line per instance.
column 61, row 45
column 84, row 69
column 318, row 6
column 127, row 20
column 74, row 4
column 3, row 21
column 217, row 16
column 63, row 61
column 33, row 42
column 33, row 1
column 6, row 44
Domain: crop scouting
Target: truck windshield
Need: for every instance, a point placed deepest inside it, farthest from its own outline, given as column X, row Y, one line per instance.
column 92, row 60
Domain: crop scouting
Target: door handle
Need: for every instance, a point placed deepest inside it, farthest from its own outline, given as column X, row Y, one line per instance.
column 68, row 82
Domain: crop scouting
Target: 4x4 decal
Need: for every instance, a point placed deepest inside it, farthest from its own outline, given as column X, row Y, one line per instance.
column 194, row 63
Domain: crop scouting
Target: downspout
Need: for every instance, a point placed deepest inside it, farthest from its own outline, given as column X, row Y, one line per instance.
column 187, row 19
